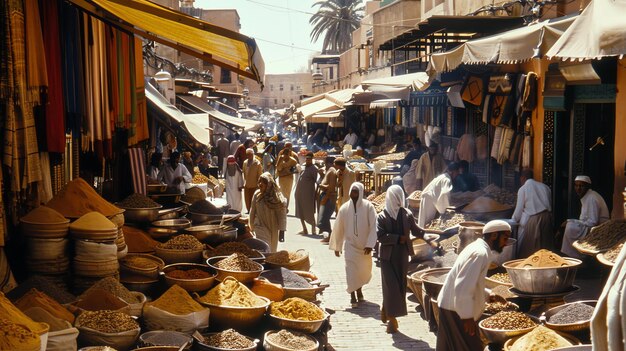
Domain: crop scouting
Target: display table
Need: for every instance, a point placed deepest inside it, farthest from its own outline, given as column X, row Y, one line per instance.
column 381, row 177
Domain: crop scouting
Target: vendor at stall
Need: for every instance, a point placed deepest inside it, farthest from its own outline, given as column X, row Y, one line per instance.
column 175, row 174
column 435, row 197
column 462, row 298
column 430, row 165
column 593, row 212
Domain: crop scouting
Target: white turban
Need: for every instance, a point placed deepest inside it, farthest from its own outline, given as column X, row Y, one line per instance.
column 583, row 178
column 497, row 225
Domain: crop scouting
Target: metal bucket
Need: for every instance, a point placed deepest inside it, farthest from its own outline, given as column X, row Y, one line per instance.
column 468, row 232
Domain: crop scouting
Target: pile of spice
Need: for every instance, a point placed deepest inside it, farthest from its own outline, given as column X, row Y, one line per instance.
column 286, row 278
column 44, row 285
column 604, row 236
column 176, row 300
column 574, row 313
column 544, row 259
column 107, row 321
column 194, row 195
column 283, row 257
column 232, row 293
column 485, row 204
column 613, row 252
column 14, row 336
column 182, row 242
column 540, row 339
column 292, row 340
column 199, row 178
column 508, row 320
column 501, row 277
column 228, row 339
column 137, row 200
column 141, row 262
column 448, row 220
column 503, row 291
column 296, row 308
column 93, row 221
column 38, row 314
column 204, row 207
column 14, row 315
column 238, row 262
column 194, row 273
column 229, row 248
column 44, row 215
column 78, row 198
column 114, row 287
column 96, row 299
column 166, row 338
column 35, row 298
column 138, row 241
column 495, row 307
column 501, row 195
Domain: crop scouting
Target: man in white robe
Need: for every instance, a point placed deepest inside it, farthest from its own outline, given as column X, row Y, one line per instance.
column 592, row 213
column 175, row 174
column 234, row 183
column 533, row 212
column 435, row 197
column 462, row 298
column 354, row 233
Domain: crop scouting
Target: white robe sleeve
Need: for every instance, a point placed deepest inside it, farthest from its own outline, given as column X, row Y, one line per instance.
column 466, row 283
column 519, row 207
column 372, row 221
column 338, row 234
column 590, row 213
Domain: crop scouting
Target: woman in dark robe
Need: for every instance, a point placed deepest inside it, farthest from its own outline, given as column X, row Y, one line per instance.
column 305, row 193
column 394, row 226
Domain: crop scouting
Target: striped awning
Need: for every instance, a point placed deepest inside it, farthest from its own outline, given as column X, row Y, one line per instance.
column 385, row 103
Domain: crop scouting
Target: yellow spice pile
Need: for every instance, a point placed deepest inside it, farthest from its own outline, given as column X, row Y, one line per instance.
column 230, row 292
column 297, row 309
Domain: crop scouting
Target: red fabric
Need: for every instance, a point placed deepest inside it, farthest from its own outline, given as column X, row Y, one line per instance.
column 55, row 111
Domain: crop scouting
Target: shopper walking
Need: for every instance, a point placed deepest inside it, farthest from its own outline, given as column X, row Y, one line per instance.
column 252, row 170
column 305, row 194
column 234, row 183
column 268, row 214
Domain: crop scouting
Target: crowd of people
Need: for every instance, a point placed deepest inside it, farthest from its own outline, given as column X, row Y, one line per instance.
column 264, row 180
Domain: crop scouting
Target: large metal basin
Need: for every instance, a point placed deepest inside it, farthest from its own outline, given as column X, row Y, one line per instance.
column 213, row 233
column 433, row 279
column 499, row 336
column 570, row 327
column 538, row 280
column 141, row 215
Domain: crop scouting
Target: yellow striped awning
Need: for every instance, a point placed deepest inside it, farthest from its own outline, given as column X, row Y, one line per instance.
column 211, row 43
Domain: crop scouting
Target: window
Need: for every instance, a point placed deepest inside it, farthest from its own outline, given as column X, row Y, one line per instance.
column 283, row 101
column 275, row 101
column 225, row 76
column 281, row 87
column 291, row 87
column 292, row 101
column 330, row 73
column 272, row 87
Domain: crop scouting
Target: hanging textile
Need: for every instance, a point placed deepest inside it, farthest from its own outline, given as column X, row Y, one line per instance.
column 473, row 90
column 72, row 64
column 529, row 101
column 141, row 122
column 505, row 145
column 20, row 152
column 519, row 94
column 466, row 148
column 430, row 106
column 482, row 147
column 499, row 103
column 138, row 169
column 37, row 76
column 497, row 139
column 55, row 112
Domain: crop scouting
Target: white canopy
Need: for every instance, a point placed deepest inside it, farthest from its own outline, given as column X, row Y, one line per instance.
column 599, row 31
column 418, row 81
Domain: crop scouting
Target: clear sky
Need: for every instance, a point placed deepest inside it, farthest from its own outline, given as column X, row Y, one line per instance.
column 281, row 29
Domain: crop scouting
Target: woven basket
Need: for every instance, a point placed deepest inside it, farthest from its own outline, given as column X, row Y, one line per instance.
column 118, row 219
column 179, row 256
column 96, row 268
column 58, row 266
column 414, row 203
column 146, row 272
column 302, row 264
column 47, row 249
column 47, row 231
column 137, row 308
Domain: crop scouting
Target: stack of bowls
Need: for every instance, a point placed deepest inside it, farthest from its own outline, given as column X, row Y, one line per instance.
column 96, row 250
column 46, row 232
column 120, row 242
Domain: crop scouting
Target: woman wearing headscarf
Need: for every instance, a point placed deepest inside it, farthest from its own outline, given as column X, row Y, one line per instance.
column 268, row 215
column 395, row 224
column 269, row 157
column 354, row 233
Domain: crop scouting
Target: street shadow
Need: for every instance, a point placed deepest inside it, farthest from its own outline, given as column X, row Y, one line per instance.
column 412, row 298
column 366, row 309
column 404, row 342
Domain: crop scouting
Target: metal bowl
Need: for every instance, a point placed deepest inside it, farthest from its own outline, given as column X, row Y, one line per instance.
column 139, row 283
column 499, row 336
column 140, row 215
column 540, row 280
column 235, row 317
column 191, row 285
column 432, row 280
column 241, row 276
column 176, row 224
column 213, row 234
column 201, row 218
column 575, row 348
column 570, row 327
column 308, row 327
column 422, row 249
column 201, row 346
column 161, row 234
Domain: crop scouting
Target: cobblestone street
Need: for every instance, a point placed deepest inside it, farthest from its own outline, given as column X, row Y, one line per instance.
column 357, row 328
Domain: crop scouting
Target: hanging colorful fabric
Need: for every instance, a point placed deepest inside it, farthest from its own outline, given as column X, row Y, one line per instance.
column 473, row 90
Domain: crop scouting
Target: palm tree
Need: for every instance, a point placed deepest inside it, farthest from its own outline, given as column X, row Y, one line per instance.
column 336, row 19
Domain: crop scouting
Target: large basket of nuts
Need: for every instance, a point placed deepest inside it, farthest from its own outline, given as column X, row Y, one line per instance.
column 180, row 249
column 237, row 265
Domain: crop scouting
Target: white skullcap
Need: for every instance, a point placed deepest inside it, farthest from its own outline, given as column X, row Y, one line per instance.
column 583, row 178
column 497, row 225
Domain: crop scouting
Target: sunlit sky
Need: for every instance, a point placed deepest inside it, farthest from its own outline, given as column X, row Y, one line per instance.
column 281, row 29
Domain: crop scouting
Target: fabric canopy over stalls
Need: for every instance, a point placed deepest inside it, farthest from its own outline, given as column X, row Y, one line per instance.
column 221, row 117
column 211, row 43
column 598, row 32
column 416, row 81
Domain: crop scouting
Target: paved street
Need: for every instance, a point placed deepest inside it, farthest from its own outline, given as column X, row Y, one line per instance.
column 357, row 328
